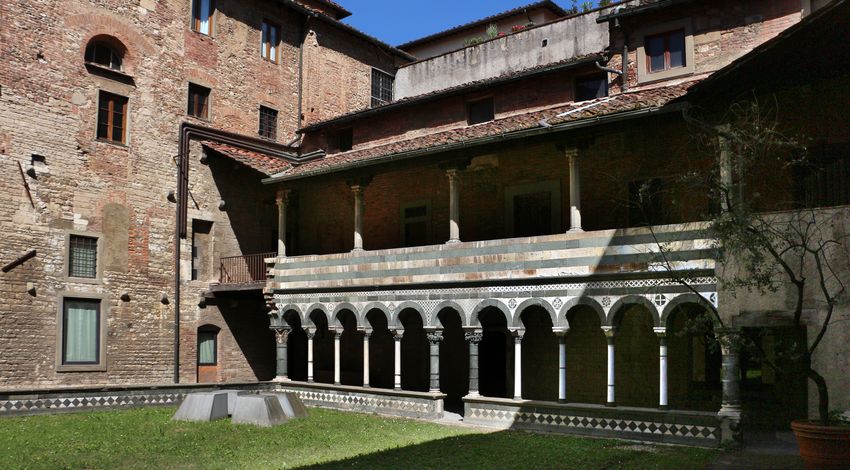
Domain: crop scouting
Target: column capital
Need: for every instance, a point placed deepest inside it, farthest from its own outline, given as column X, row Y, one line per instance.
column 367, row 332
column 311, row 333
column 337, row 332
column 359, row 184
column 570, row 152
column 609, row 331
column 453, row 174
column 518, row 334
column 561, row 332
column 729, row 339
column 282, row 197
column 398, row 334
column 473, row 336
column 281, row 333
column 434, row 336
column 660, row 331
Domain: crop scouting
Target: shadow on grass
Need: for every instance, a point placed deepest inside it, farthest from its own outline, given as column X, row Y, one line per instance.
column 518, row 449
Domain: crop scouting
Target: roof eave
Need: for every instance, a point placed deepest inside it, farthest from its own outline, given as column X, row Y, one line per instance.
column 638, row 10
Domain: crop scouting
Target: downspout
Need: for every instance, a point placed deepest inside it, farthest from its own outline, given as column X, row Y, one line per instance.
column 304, row 30
column 624, row 74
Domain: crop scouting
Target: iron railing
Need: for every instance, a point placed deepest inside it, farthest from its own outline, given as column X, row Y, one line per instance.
column 244, row 269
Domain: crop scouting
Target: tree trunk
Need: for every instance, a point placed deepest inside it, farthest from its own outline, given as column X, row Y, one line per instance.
column 823, row 395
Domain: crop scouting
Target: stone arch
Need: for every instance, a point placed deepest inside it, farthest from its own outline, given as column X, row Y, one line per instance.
column 95, row 25
column 308, row 321
column 290, row 310
column 435, row 322
column 535, row 302
column 586, row 301
column 345, row 306
column 404, row 306
column 373, row 306
column 633, row 300
column 489, row 303
column 689, row 298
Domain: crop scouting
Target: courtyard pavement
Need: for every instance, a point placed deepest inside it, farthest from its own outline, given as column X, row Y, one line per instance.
column 764, row 450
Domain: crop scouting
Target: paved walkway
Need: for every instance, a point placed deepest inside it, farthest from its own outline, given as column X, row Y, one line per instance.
column 763, row 451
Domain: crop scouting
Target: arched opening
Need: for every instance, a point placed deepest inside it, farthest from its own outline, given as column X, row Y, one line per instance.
column 208, row 354
column 105, row 51
column 495, row 354
column 693, row 359
column 323, row 349
column 414, row 352
column 454, row 360
column 539, row 356
column 350, row 350
column 381, row 351
column 586, row 351
column 296, row 348
column 636, row 357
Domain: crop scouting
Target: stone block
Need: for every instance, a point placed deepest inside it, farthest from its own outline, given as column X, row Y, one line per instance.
column 292, row 406
column 202, row 406
column 231, row 399
column 258, row 410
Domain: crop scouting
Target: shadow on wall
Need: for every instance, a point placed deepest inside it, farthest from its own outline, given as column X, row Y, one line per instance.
column 247, row 322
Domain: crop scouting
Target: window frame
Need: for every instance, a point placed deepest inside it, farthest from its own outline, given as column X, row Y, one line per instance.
column 404, row 220
column 195, row 18
column 205, row 112
column 114, row 55
column 103, row 315
column 554, row 189
column 98, row 258
column 273, row 135
column 379, row 100
column 471, row 102
column 266, row 46
column 206, row 330
column 334, row 140
column 644, row 74
column 110, row 129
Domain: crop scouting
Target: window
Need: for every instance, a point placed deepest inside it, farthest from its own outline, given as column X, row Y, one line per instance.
column 665, row 51
column 824, row 179
column 201, row 230
column 207, row 347
column 382, row 87
column 82, row 257
column 589, row 88
column 480, row 111
column 80, row 331
column 111, row 117
column 342, row 140
column 271, row 39
column 268, row 123
column 202, row 16
column 101, row 53
column 414, row 224
column 533, row 209
column 199, row 98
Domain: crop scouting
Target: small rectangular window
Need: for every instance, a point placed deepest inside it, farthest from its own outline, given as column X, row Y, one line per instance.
column 382, row 87
column 533, row 214
column 199, row 98
column 665, row 51
column 270, row 41
column 111, row 117
column 207, row 348
column 80, row 331
column 202, row 16
column 268, row 123
column 342, row 140
column 589, row 88
column 82, row 257
column 480, row 111
column 414, row 224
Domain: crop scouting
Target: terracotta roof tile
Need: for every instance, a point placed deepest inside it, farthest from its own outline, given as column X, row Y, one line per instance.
column 629, row 101
column 261, row 162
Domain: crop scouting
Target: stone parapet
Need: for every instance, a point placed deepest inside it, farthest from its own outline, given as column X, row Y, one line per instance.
column 406, row 404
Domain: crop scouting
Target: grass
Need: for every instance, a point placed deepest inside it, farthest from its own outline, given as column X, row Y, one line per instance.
column 146, row 438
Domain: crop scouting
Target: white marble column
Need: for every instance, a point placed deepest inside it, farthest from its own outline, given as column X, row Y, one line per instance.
column 282, row 203
column 454, row 206
column 609, row 337
column 575, row 190
column 562, row 364
column 366, row 336
column 397, row 337
column 518, row 364
column 358, row 217
column 662, row 367
column 337, row 335
column 311, row 333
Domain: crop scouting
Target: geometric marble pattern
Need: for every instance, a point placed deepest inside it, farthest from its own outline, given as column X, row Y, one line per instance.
column 357, row 401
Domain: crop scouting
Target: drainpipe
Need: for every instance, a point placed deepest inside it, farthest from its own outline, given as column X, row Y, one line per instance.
column 624, row 74
column 303, row 32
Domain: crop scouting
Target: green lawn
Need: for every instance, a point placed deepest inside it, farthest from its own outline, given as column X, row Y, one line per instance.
column 146, row 438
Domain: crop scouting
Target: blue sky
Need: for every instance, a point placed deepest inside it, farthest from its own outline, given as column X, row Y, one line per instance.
column 399, row 21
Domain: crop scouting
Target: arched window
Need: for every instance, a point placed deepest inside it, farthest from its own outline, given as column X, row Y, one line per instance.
column 103, row 53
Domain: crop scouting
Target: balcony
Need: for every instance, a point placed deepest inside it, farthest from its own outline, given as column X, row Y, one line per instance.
column 245, row 272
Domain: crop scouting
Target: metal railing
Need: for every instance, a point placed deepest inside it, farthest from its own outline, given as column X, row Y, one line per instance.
column 245, row 269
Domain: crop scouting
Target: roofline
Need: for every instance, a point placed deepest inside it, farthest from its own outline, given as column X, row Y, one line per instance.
column 803, row 24
column 336, row 6
column 640, row 9
column 488, row 19
column 514, row 135
column 356, row 32
column 484, row 83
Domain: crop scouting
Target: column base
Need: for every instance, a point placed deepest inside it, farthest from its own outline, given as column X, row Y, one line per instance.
column 337, row 383
column 310, row 381
column 397, row 388
column 730, row 411
column 366, row 386
column 474, row 394
column 453, row 241
column 562, row 400
column 433, row 390
column 517, row 398
column 575, row 230
column 663, row 407
column 281, row 378
column 611, row 404
column 357, row 250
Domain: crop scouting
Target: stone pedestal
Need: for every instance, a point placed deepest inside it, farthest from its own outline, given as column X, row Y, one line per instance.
column 202, row 406
column 259, row 410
